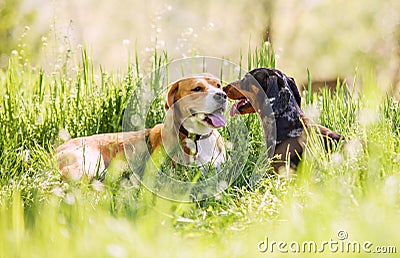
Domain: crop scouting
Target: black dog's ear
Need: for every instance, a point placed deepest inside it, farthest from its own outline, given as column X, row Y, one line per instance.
column 295, row 90
column 278, row 93
column 281, row 101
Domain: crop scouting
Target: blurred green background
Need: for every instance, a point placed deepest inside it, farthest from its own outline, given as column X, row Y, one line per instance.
column 330, row 38
column 53, row 87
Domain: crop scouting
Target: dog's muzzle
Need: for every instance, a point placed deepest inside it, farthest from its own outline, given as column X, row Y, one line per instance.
column 220, row 97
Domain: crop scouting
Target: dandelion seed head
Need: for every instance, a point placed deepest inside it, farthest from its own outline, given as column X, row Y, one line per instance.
column 311, row 111
column 218, row 196
column 116, row 251
column 147, row 96
column 353, row 148
column 337, row 158
column 136, row 120
column 64, row 135
column 228, row 145
column 161, row 43
column 97, row 185
column 134, row 181
column 26, row 155
column 367, row 117
column 189, row 30
column 58, row 191
column 391, row 189
column 69, row 198
column 40, row 119
column 222, row 185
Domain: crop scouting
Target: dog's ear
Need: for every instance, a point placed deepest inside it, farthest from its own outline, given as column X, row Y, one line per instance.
column 281, row 101
column 279, row 93
column 295, row 90
column 171, row 95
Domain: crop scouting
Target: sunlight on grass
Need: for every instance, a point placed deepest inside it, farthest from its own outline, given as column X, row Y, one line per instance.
column 355, row 187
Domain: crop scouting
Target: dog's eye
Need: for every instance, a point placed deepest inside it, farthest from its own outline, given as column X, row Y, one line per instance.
column 198, row 88
column 218, row 86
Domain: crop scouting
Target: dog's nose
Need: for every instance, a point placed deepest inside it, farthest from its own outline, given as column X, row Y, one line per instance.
column 220, row 96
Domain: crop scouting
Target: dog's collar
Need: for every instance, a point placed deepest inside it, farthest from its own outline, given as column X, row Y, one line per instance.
column 193, row 136
column 183, row 133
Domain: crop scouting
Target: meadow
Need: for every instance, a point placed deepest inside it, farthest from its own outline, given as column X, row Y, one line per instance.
column 346, row 202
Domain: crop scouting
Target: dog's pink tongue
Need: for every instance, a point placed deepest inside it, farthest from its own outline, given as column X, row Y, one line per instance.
column 217, row 120
column 234, row 109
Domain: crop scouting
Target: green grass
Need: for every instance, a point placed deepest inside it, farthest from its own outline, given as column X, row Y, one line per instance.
column 355, row 188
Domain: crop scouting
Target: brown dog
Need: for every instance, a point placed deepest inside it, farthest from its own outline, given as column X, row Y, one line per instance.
column 195, row 106
column 285, row 100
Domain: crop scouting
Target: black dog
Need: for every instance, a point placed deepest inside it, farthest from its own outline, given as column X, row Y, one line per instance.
column 285, row 101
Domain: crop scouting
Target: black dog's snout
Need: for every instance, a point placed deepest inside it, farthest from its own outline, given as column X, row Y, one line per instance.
column 220, row 96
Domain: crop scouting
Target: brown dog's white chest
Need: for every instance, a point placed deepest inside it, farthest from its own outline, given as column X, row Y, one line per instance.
column 206, row 151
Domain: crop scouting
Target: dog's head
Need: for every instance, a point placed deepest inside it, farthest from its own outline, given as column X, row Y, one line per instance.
column 198, row 103
column 281, row 91
column 263, row 85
